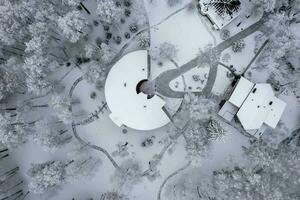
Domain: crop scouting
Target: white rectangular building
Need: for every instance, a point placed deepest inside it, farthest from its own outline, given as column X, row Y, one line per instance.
column 254, row 105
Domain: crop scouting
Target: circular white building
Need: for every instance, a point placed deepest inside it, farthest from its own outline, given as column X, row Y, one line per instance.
column 128, row 105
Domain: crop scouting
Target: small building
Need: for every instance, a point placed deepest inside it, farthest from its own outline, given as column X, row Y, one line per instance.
column 128, row 105
column 220, row 12
column 254, row 105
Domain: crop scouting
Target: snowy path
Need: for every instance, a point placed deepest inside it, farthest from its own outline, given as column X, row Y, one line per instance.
column 87, row 121
column 169, row 177
column 166, row 147
column 163, row 80
column 84, row 143
column 94, row 116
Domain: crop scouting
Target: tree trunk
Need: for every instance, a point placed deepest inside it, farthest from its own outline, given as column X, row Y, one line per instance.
column 13, row 194
column 3, row 150
column 88, row 12
column 10, row 172
column 14, row 186
column 5, row 156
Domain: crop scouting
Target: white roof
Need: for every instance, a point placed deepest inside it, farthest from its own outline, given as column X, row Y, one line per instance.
column 257, row 107
column 127, row 107
column 274, row 115
column 241, row 91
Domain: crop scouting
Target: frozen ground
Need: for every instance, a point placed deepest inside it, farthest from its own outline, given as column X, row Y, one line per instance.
column 189, row 32
column 103, row 132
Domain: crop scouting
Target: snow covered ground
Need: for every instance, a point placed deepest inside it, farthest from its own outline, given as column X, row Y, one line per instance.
column 103, row 132
column 189, row 32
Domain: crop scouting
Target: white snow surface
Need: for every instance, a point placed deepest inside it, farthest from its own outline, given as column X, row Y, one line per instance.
column 129, row 107
column 187, row 31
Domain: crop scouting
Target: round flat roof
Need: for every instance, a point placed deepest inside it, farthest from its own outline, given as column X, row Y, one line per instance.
column 127, row 106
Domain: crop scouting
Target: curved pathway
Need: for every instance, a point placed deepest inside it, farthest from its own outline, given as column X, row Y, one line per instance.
column 169, row 177
column 211, row 58
column 128, row 42
column 84, row 143
column 172, row 141
column 87, row 121
column 95, row 115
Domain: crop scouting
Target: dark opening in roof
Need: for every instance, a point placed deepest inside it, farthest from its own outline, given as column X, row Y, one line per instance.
column 147, row 87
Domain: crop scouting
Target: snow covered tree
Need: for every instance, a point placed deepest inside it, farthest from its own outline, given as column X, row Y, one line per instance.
column 83, row 164
column 238, row 46
column 72, row 25
column 281, row 55
column 215, row 129
column 128, row 176
column 12, row 78
column 200, row 107
column 270, row 173
column 106, row 53
column 8, row 83
column 94, row 72
column 148, row 142
column 71, row 2
column 51, row 174
column 108, row 11
column 224, row 34
column 138, row 15
column 268, row 5
column 11, row 183
column 49, row 135
column 198, row 142
column 143, row 40
column 203, row 128
column 39, row 42
column 91, row 51
column 282, row 38
column 13, row 134
column 62, row 108
column 167, row 51
column 23, row 108
column 46, row 176
column 208, row 55
column 36, row 69
column 13, row 21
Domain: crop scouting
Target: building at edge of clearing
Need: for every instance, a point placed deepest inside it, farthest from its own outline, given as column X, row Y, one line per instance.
column 254, row 105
